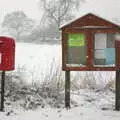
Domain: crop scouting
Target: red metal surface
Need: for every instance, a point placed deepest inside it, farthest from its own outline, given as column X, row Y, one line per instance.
column 7, row 53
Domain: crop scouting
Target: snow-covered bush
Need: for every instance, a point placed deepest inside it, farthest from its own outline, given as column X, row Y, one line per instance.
column 30, row 96
column 49, row 90
column 93, row 80
column 52, row 86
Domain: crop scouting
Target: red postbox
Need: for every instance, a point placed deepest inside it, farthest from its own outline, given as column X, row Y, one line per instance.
column 7, row 61
column 7, row 53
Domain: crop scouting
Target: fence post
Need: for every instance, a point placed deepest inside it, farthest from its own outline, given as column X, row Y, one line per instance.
column 117, row 91
column 67, row 89
column 2, row 90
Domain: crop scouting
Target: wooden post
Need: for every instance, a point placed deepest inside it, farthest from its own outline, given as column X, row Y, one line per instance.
column 2, row 90
column 67, row 89
column 117, row 95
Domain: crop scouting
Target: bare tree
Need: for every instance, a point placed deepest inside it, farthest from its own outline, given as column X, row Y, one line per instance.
column 58, row 11
column 17, row 24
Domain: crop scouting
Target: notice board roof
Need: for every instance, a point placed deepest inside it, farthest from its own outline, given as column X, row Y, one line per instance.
column 90, row 20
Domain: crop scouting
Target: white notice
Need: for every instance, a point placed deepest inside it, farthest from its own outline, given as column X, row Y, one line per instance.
column 100, row 40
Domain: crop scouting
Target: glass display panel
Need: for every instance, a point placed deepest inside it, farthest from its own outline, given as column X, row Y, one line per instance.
column 76, row 50
column 110, row 41
column 104, row 49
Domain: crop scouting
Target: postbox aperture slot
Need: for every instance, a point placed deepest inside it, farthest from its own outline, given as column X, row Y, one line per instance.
column 1, row 42
column 0, row 57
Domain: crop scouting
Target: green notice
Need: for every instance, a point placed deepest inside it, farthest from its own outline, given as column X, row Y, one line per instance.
column 76, row 40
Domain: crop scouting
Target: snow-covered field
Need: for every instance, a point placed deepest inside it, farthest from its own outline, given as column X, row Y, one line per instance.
column 37, row 59
column 36, row 55
column 88, row 104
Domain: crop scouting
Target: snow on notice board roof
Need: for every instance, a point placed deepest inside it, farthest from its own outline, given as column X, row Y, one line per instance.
column 93, row 27
column 71, row 21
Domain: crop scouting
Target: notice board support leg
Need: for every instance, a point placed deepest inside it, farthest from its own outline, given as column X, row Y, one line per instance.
column 117, row 86
column 67, row 89
column 2, row 90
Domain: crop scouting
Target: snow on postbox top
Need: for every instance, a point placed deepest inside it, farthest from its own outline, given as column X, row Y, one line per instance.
column 89, row 43
column 7, row 53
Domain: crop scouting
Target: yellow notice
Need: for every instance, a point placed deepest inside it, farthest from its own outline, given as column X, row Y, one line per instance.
column 76, row 40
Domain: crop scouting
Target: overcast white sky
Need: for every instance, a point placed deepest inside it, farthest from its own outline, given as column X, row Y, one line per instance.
column 105, row 8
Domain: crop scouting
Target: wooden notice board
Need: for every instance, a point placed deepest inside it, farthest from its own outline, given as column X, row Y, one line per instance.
column 88, row 44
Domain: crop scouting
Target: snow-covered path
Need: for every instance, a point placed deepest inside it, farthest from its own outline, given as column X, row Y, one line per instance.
column 79, row 113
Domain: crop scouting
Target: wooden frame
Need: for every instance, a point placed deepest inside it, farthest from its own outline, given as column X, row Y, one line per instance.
column 89, row 25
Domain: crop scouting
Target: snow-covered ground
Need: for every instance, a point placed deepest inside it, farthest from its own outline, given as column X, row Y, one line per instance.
column 88, row 104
